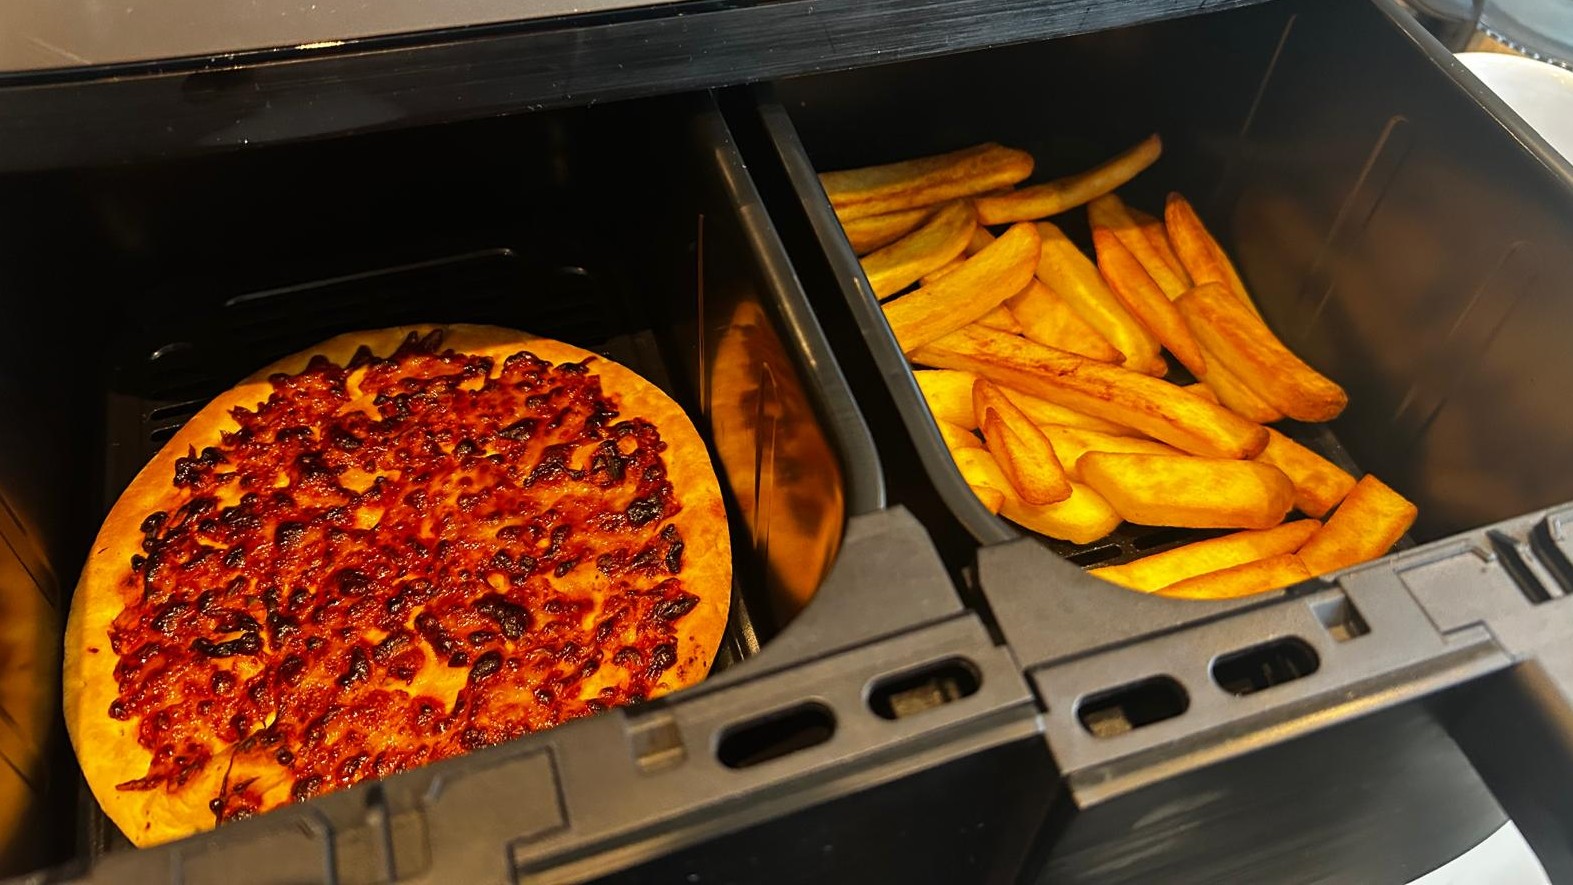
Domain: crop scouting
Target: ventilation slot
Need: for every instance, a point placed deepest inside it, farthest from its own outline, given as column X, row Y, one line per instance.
column 1340, row 617
column 777, row 735
column 1132, row 706
column 1264, row 666
column 934, row 686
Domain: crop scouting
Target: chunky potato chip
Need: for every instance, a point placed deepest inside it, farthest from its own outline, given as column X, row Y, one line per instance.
column 1189, row 492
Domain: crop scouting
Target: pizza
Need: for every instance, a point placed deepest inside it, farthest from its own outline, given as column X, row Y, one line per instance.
column 394, row 548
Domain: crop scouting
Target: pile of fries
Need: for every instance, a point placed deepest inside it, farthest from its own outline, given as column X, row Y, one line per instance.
column 1045, row 371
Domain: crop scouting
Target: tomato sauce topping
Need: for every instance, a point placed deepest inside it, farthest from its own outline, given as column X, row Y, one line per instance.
column 375, row 529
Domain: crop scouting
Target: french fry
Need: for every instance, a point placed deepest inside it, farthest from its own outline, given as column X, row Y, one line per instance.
column 1019, row 447
column 1248, row 579
column 956, row 436
column 1054, row 197
column 923, row 251
column 949, row 396
column 1199, row 493
column 1065, row 270
column 964, row 295
column 868, row 234
column 1172, row 566
column 876, row 190
column 1366, row 525
column 943, row 269
column 1205, row 261
column 1002, row 319
column 1158, row 236
column 1070, row 443
column 1044, row 316
column 1082, row 518
column 1319, row 484
column 1224, row 387
column 980, row 238
column 1150, row 405
column 991, row 499
column 1239, row 341
column 1110, row 213
column 1145, row 301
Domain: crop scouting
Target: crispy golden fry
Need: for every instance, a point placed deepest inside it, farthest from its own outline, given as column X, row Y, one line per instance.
column 943, row 269
column 1070, row 443
column 1002, row 319
column 1272, row 573
column 876, row 190
column 1201, row 390
column 1082, row 518
column 1163, row 569
column 1366, row 525
column 1044, row 414
column 1145, row 301
column 1204, row 259
column 1110, row 213
column 1158, row 236
column 980, row 238
column 991, row 499
column 1019, row 447
column 1054, row 197
column 1150, row 405
column 1044, row 316
column 1319, row 484
column 1072, row 275
column 949, row 396
column 964, row 295
column 1224, row 387
column 1239, row 341
column 956, row 436
column 923, row 251
column 1198, row 493
column 868, row 234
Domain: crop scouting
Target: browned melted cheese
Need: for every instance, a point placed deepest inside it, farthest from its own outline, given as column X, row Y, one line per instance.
column 372, row 521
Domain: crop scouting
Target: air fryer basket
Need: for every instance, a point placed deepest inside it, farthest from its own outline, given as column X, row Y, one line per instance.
column 1399, row 238
column 632, row 230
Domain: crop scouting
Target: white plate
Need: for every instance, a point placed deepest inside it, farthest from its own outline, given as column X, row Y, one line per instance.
column 1540, row 93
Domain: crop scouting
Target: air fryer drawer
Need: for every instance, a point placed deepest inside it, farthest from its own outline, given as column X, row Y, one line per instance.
column 1395, row 234
column 632, row 230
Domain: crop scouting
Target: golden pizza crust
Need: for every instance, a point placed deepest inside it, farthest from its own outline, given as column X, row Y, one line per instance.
column 107, row 749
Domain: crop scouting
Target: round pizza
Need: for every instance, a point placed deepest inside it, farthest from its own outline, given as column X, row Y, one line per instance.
column 393, row 548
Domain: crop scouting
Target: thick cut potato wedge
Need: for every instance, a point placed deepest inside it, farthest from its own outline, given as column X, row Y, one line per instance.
column 1158, row 236
column 1053, row 197
column 876, row 190
column 1145, row 301
column 1224, row 387
column 1150, row 405
column 1047, row 318
column 1319, row 484
column 943, row 269
column 1365, row 526
column 1110, row 213
column 1002, row 319
column 1205, row 261
column 965, row 294
column 868, row 234
column 1070, row 443
column 1249, row 579
column 949, row 397
column 1239, row 341
column 1082, row 518
column 932, row 246
column 1172, row 566
column 1198, row 493
column 980, row 238
column 1019, row 447
column 1073, row 276
column 956, row 436
column 991, row 499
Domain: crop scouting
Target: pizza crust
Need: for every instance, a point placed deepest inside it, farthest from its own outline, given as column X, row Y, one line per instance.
column 107, row 749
